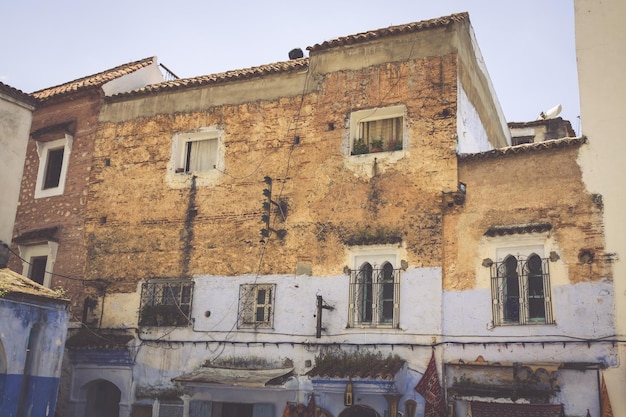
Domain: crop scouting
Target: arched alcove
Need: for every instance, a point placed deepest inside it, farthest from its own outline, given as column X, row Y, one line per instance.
column 359, row 410
column 102, row 399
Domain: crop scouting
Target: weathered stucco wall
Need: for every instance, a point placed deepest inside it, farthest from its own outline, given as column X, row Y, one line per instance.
column 541, row 186
column 144, row 231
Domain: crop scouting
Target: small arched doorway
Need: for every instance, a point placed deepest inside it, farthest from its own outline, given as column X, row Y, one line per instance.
column 359, row 410
column 103, row 399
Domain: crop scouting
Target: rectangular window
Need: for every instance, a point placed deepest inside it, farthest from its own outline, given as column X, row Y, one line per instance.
column 166, row 303
column 377, row 130
column 256, row 305
column 378, row 133
column 200, row 155
column 520, row 290
column 38, row 262
column 37, row 270
column 53, row 168
column 171, row 409
column 374, row 296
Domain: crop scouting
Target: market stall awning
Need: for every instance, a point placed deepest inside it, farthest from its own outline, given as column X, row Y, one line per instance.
column 235, row 376
column 486, row 409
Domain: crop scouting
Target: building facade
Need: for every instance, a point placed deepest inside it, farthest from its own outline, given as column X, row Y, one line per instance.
column 395, row 218
column 48, row 233
column 307, row 237
column 47, row 240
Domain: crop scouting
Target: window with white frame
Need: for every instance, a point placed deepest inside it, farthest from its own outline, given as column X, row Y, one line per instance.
column 197, row 152
column 166, row 303
column 374, row 291
column 377, row 130
column 256, row 305
column 53, row 164
column 38, row 262
column 520, row 287
column 170, row 408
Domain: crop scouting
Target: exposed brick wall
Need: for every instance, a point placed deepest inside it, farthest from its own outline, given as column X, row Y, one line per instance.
column 135, row 222
column 66, row 211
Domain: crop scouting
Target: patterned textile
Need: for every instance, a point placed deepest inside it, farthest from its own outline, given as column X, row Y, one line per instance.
column 430, row 388
column 607, row 410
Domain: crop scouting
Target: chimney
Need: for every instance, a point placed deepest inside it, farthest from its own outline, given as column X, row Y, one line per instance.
column 296, row 53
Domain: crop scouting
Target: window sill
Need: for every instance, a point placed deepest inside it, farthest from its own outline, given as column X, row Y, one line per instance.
column 531, row 323
column 372, row 151
column 372, row 327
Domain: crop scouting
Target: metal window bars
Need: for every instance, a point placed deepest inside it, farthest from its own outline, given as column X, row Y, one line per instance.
column 256, row 305
column 166, row 303
column 520, row 291
column 374, row 296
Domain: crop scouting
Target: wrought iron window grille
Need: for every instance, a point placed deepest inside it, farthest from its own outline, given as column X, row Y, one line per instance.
column 374, row 296
column 520, row 291
column 256, row 305
column 166, row 303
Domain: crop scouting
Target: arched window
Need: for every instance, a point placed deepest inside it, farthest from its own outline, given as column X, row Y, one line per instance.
column 374, row 298
column 536, row 293
column 386, row 293
column 511, row 289
column 366, row 292
column 521, row 290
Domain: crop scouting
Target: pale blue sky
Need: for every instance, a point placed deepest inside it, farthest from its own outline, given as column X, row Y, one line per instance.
column 528, row 46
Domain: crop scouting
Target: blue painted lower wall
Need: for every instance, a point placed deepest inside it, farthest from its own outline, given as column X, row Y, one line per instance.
column 39, row 399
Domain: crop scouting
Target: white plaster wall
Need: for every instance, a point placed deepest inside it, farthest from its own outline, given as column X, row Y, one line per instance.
column 295, row 304
column 213, row 338
column 601, row 57
column 15, row 121
column 583, row 310
column 121, row 310
column 471, row 134
column 142, row 77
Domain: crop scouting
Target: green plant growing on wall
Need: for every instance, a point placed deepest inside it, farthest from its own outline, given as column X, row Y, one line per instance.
column 353, row 363
column 163, row 315
column 393, row 145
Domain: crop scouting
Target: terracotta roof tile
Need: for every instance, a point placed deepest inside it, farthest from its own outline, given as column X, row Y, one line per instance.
column 291, row 65
column 16, row 94
column 390, row 31
column 518, row 229
column 15, row 284
column 375, row 369
column 92, row 81
column 234, row 75
column 98, row 339
column 524, row 148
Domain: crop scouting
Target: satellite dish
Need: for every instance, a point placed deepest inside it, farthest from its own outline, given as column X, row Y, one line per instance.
column 550, row 113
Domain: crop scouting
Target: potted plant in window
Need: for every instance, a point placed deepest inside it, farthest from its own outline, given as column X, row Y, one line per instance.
column 394, row 145
column 376, row 145
column 359, row 147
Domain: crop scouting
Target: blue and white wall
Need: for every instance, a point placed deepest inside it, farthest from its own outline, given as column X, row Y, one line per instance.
column 32, row 339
